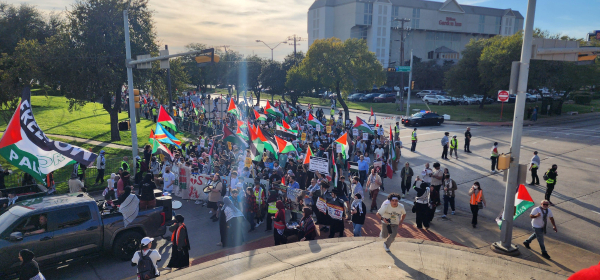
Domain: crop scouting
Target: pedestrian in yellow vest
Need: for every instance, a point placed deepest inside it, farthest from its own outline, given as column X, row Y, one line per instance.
column 413, row 138
column 454, row 146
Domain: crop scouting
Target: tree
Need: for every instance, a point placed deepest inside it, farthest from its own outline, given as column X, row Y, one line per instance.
column 343, row 66
column 298, row 83
column 92, row 52
column 24, row 22
column 272, row 78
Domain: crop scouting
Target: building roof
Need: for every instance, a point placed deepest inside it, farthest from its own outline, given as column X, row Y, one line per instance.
column 421, row 4
column 444, row 49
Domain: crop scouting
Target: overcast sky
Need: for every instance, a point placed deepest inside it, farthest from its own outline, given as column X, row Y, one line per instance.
column 239, row 23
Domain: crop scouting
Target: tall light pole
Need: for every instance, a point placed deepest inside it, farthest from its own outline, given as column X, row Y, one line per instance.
column 505, row 246
column 402, row 29
column 259, row 41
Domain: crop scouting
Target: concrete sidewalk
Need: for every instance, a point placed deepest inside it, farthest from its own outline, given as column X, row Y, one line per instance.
column 364, row 258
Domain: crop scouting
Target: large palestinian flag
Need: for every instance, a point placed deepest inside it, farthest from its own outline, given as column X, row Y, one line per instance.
column 229, row 136
column 309, row 154
column 281, row 130
column 259, row 116
column 232, row 108
column 25, row 145
column 343, row 140
column 165, row 119
column 363, row 126
column 268, row 141
column 256, row 145
column 313, row 121
column 284, row 147
column 272, row 110
column 523, row 202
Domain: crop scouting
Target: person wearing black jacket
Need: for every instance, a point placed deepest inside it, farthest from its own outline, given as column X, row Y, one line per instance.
column 406, row 176
column 29, row 267
column 434, row 201
column 421, row 203
column 359, row 214
column 550, row 182
column 147, row 198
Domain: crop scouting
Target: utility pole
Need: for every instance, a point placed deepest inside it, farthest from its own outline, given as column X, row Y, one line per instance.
column 505, row 246
column 402, row 21
column 130, row 89
column 409, row 84
column 296, row 39
column 225, row 47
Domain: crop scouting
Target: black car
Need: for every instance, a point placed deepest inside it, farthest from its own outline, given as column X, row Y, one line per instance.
column 354, row 97
column 421, row 118
column 368, row 98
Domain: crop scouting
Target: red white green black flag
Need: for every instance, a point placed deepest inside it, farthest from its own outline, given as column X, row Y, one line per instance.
column 26, row 146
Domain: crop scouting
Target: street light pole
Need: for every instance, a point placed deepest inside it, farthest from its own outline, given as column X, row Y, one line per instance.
column 259, row 41
column 134, row 143
column 169, row 86
column 505, row 246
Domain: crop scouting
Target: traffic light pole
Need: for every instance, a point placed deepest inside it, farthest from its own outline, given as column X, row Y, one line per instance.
column 409, row 84
column 169, row 87
column 134, row 143
column 505, row 246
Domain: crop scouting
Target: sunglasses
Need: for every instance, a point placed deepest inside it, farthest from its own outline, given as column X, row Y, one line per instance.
column 545, row 204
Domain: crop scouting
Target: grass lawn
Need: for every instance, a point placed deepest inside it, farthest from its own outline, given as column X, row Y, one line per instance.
column 61, row 176
column 90, row 121
column 467, row 113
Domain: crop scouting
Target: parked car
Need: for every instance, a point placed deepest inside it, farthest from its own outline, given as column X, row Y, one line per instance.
column 531, row 98
column 456, row 100
column 436, row 99
column 355, row 96
column 422, row 93
column 488, row 100
column 421, row 118
column 76, row 226
column 385, row 98
column 368, row 97
column 469, row 100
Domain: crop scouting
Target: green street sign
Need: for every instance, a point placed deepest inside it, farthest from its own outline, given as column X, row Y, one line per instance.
column 402, row 68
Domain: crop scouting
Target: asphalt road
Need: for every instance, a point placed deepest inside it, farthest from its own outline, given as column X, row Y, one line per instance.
column 573, row 146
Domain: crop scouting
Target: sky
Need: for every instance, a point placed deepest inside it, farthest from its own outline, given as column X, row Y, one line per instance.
column 239, row 23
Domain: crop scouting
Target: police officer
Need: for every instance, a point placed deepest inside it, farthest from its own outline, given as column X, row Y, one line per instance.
column 533, row 167
column 413, row 138
column 468, row 140
column 124, row 164
column 551, row 182
column 397, row 132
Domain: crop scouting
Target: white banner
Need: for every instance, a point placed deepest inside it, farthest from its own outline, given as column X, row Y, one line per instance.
column 365, row 136
column 318, row 164
column 355, row 131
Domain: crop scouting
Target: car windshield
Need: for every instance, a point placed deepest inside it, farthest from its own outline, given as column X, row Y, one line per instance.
column 417, row 115
column 9, row 217
column 382, row 95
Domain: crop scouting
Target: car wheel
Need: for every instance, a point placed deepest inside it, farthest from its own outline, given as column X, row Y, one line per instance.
column 440, row 103
column 465, row 103
column 126, row 245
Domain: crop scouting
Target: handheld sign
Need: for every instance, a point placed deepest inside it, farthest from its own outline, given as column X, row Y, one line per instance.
column 328, row 129
column 365, row 136
column 229, row 145
column 202, row 141
column 303, row 136
column 355, row 131
column 319, row 164
column 338, row 148
column 318, row 127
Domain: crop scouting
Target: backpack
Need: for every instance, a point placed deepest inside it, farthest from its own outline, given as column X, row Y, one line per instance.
column 545, row 175
column 146, row 269
column 223, row 189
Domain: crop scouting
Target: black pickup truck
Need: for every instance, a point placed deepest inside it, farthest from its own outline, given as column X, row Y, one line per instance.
column 61, row 229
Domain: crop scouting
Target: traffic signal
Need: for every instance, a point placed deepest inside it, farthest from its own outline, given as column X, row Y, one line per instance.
column 412, row 85
column 136, row 98
column 211, row 57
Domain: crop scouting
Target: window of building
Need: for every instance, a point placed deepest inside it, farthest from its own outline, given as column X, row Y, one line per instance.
column 384, row 23
column 385, row 10
column 497, row 26
column 368, row 16
column 383, row 32
column 516, row 27
column 395, row 11
column 380, row 9
column 481, row 23
column 416, row 18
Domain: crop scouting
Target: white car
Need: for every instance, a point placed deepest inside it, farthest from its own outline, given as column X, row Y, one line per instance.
column 423, row 93
column 470, row 100
column 436, row 99
column 532, row 97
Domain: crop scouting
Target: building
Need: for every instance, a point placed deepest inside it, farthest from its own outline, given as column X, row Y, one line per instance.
column 438, row 30
column 594, row 34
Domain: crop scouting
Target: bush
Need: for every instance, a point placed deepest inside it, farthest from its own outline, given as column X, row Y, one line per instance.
column 583, row 99
column 596, row 95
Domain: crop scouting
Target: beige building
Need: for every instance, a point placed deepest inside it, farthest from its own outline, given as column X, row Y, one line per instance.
column 437, row 30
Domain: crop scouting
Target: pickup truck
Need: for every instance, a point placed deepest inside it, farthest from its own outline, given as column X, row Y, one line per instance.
column 63, row 228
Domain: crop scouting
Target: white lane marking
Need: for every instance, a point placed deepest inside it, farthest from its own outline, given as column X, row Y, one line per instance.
column 534, row 143
column 591, row 158
column 596, row 212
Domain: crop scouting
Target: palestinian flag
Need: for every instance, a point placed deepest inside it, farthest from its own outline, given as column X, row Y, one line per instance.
column 313, row 121
column 195, row 110
column 162, row 135
column 256, row 145
column 334, row 170
column 159, row 148
column 25, row 145
column 241, row 134
column 281, row 130
column 286, row 125
column 181, row 113
column 309, row 154
column 343, row 140
column 268, row 141
column 273, row 110
column 523, row 202
column 363, row 126
column 284, row 146
column 232, row 108
column 165, row 119
column 259, row 116
column 229, row 136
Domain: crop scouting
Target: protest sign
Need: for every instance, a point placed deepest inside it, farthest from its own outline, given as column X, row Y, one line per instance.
column 318, row 164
